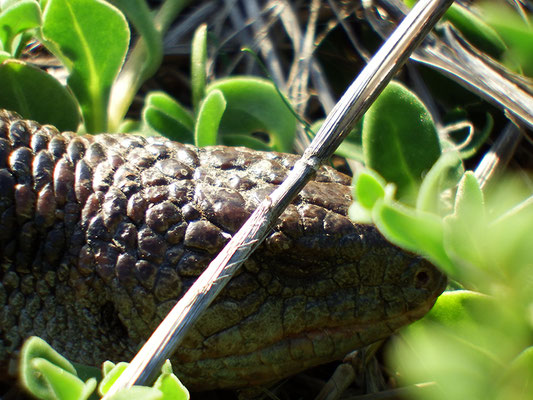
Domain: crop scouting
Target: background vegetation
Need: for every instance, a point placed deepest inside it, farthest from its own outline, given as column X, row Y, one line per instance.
column 176, row 68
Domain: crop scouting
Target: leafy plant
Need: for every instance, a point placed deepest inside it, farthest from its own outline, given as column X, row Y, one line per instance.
column 91, row 38
column 48, row 375
column 481, row 244
column 473, row 344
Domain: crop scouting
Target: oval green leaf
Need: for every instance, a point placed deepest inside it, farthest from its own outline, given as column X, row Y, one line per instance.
column 36, row 95
column 458, row 308
column 517, row 379
column 37, row 348
column 62, row 384
column 400, row 141
column 19, row 17
column 91, row 37
column 368, row 188
column 208, row 120
column 516, row 31
column 254, row 105
column 164, row 115
column 170, row 385
column 110, row 374
column 416, row 231
column 469, row 200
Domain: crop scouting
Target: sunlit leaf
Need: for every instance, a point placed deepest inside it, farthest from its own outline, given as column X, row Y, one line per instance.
column 400, row 141
column 368, row 188
column 416, row 231
column 62, row 385
column 138, row 393
column 254, row 105
column 91, row 37
column 34, row 348
column 443, row 175
column 208, row 119
column 167, row 117
column 110, row 376
column 462, row 345
column 36, row 95
column 170, row 385
column 352, row 146
column 19, row 17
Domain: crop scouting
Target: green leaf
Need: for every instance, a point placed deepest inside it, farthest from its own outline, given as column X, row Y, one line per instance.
column 464, row 231
column 469, row 201
column 35, row 382
column 444, row 174
column 130, row 126
column 167, row 117
column 508, row 244
column 416, row 231
column 476, row 30
column 457, row 309
column 110, row 376
column 91, row 37
column 4, row 55
column 62, row 384
column 369, row 187
column 51, row 103
column 107, row 367
column 86, row 372
column 517, row 33
column 254, row 105
column 170, row 385
column 19, row 17
column 198, row 66
column 208, row 119
column 473, row 27
column 400, row 141
column 517, row 379
column 359, row 214
column 144, row 59
column 464, row 345
column 138, row 393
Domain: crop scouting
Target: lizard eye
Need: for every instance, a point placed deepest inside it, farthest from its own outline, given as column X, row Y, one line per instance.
column 422, row 277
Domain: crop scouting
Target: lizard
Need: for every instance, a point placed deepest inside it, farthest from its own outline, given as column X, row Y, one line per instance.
column 101, row 235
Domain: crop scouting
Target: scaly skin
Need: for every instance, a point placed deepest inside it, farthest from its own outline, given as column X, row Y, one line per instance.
column 100, row 235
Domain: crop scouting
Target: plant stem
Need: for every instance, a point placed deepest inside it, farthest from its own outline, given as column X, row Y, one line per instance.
column 139, row 66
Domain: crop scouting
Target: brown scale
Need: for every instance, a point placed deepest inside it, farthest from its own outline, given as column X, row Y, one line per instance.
column 100, row 235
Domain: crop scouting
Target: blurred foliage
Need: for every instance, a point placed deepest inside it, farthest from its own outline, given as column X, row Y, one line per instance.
column 49, row 376
column 474, row 343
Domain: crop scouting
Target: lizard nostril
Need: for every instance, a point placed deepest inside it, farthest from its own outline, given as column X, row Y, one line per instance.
column 421, row 278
